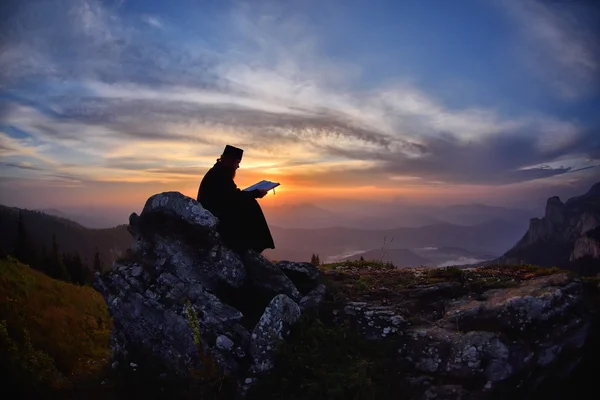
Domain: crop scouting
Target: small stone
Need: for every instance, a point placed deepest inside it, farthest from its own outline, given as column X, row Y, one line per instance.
column 115, row 365
column 224, row 343
column 136, row 271
column 248, row 381
column 133, row 365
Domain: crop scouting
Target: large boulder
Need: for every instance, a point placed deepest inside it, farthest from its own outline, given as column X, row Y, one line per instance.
column 181, row 299
column 272, row 328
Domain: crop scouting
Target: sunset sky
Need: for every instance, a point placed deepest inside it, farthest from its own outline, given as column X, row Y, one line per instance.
column 109, row 102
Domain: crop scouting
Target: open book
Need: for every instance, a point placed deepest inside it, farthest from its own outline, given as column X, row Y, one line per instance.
column 262, row 185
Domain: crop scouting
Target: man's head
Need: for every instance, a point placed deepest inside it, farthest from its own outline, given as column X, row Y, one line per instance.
column 231, row 157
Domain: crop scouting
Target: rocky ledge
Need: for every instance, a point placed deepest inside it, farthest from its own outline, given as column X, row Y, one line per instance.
column 188, row 309
column 184, row 305
column 469, row 333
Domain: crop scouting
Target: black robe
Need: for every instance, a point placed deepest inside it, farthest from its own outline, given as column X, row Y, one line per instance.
column 242, row 223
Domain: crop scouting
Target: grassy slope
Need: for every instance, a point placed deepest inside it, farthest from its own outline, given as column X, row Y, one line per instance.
column 52, row 334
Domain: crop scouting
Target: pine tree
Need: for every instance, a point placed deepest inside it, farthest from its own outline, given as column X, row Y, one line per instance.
column 75, row 268
column 314, row 259
column 55, row 266
column 362, row 258
column 23, row 248
column 98, row 264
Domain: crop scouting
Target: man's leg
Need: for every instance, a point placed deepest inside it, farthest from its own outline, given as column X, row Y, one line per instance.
column 256, row 230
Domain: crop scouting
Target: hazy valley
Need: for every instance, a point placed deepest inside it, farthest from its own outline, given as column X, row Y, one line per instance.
column 401, row 234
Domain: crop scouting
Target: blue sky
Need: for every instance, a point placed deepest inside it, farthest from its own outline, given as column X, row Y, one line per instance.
column 473, row 99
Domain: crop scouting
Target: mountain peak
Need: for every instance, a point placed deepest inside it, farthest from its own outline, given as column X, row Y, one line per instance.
column 594, row 190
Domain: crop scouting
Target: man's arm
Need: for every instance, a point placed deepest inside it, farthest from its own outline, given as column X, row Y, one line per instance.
column 230, row 189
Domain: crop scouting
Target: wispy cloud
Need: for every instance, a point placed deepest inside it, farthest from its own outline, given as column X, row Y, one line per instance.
column 561, row 42
column 153, row 21
column 110, row 105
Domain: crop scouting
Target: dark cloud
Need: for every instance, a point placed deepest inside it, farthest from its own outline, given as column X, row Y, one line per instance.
column 498, row 159
column 20, row 166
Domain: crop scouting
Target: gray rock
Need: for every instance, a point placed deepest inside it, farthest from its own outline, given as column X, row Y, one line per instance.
column 180, row 206
column 533, row 304
column 313, row 299
column 270, row 331
column 585, row 247
column 224, row 343
column 531, row 331
column 267, row 277
column 169, row 297
column 375, row 322
column 304, row 275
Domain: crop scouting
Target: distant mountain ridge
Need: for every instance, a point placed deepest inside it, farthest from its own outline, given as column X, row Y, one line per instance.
column 87, row 220
column 71, row 236
column 492, row 237
column 389, row 216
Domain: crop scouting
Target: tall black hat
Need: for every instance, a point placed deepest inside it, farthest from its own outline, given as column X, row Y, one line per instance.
column 233, row 152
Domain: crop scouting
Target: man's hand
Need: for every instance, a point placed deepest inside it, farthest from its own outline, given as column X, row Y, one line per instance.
column 261, row 193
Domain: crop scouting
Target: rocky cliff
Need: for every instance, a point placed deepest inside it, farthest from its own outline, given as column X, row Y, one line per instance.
column 564, row 236
column 187, row 309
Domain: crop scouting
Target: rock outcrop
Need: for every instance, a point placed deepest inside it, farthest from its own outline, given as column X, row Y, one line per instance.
column 471, row 334
column 183, row 304
column 181, row 300
column 562, row 237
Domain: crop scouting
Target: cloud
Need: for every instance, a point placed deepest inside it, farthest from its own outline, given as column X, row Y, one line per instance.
column 21, row 165
column 561, row 42
column 112, row 105
column 153, row 21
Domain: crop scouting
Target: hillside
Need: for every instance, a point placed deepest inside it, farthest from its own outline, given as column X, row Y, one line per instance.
column 473, row 214
column 52, row 334
column 71, row 236
column 338, row 243
column 566, row 236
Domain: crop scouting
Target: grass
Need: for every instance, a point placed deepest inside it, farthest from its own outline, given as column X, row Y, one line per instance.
column 53, row 335
column 358, row 265
column 328, row 360
column 366, row 279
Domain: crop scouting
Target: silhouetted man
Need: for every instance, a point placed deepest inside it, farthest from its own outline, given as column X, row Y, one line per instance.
column 242, row 223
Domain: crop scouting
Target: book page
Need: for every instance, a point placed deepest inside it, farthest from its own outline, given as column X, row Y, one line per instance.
column 262, row 185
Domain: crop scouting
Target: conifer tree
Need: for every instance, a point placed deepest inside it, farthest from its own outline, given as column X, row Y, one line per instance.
column 55, row 266
column 314, row 259
column 77, row 271
column 23, row 248
column 98, row 264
